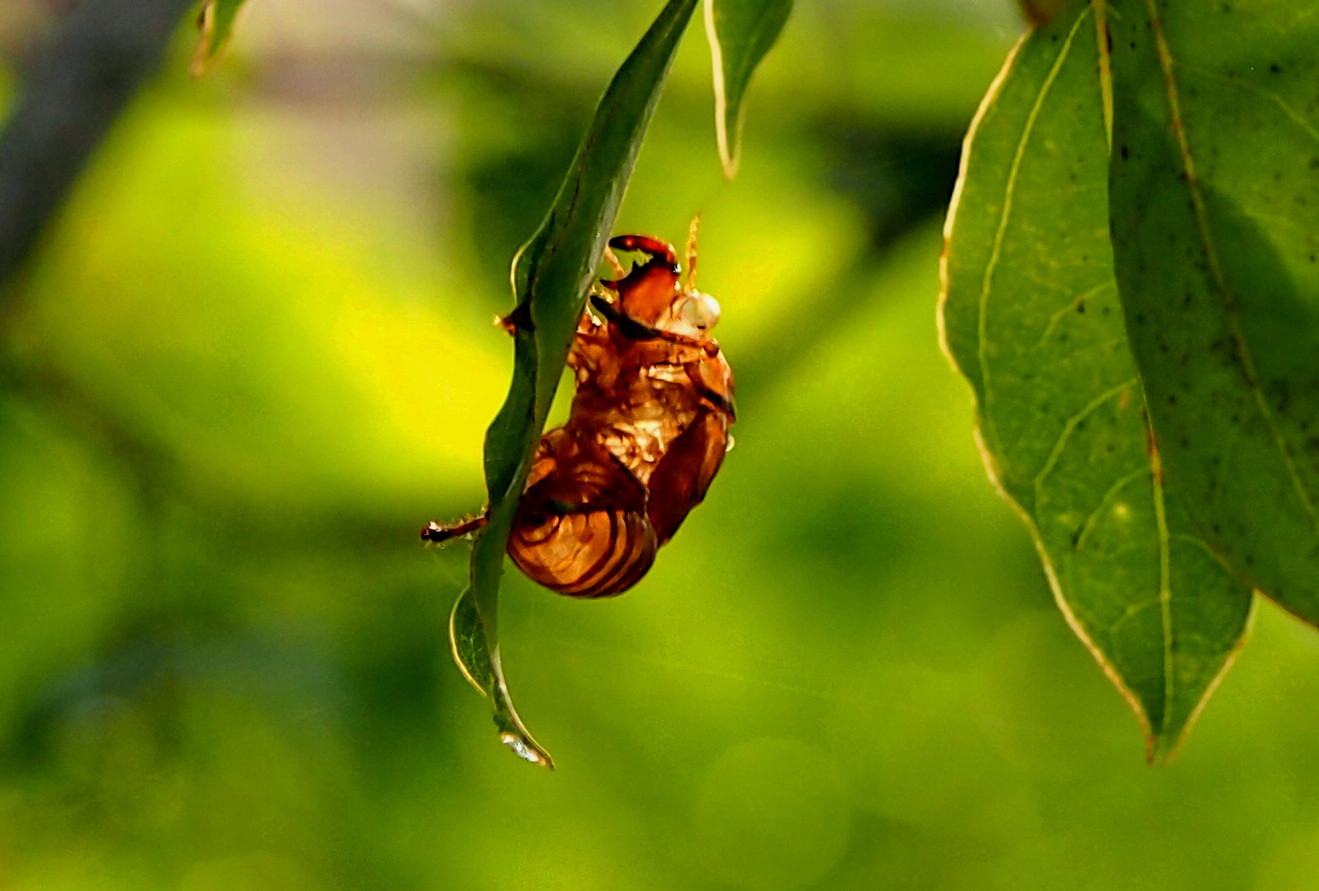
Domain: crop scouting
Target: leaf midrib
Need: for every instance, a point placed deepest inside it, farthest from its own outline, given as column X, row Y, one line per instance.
column 1219, row 280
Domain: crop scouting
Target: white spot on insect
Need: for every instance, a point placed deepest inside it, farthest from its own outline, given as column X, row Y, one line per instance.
column 697, row 311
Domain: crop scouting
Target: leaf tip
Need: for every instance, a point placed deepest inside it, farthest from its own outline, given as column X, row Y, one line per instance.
column 1162, row 746
column 727, row 152
column 728, row 157
column 527, row 749
column 205, row 52
column 215, row 25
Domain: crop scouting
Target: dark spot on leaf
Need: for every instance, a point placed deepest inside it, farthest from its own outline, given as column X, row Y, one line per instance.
column 1172, row 398
column 1080, row 306
column 1275, row 68
column 1283, row 397
column 1123, row 150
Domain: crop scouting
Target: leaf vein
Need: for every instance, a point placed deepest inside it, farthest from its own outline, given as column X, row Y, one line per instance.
column 1000, row 233
column 1219, row 280
column 1069, row 428
column 1092, row 520
column 1296, row 117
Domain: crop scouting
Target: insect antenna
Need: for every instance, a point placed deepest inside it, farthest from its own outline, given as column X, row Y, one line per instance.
column 689, row 252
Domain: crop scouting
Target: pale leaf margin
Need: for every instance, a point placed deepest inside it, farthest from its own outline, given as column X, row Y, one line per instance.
column 215, row 21
column 734, row 64
column 1159, row 747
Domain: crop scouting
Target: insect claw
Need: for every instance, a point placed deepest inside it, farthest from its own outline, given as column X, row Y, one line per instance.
column 437, row 533
column 629, row 326
column 660, row 253
column 518, row 320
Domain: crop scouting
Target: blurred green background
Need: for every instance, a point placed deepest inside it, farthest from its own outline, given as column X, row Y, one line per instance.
column 256, row 354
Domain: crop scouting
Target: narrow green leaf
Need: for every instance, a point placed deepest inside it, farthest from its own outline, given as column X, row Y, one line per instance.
column 1031, row 317
column 740, row 32
column 480, row 664
column 216, row 23
column 551, row 276
column 1215, row 194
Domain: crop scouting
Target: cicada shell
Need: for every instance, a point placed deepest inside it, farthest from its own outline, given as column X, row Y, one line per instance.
column 645, row 436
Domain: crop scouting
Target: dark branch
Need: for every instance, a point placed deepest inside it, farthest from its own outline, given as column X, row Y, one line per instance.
column 71, row 95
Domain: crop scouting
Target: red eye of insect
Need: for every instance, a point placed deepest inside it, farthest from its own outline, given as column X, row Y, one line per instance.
column 646, row 434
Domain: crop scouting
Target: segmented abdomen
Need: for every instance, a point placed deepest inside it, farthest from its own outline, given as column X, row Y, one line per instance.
column 581, row 528
column 594, row 554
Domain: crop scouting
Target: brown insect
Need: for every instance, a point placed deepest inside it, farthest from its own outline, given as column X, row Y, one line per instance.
column 646, row 434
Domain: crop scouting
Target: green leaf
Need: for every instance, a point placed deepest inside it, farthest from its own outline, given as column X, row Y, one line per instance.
column 1031, row 317
column 740, row 32
column 1215, row 193
column 551, row 275
column 216, row 23
column 469, row 639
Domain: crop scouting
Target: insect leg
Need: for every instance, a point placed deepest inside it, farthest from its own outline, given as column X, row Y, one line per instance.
column 437, row 532
column 661, row 253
